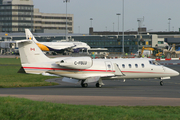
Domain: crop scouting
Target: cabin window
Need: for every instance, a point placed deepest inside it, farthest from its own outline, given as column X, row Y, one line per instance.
column 123, row 65
column 142, row 65
column 117, row 65
column 109, row 66
column 136, row 65
column 129, row 65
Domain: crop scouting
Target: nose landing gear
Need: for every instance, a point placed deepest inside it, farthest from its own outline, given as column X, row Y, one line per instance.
column 161, row 83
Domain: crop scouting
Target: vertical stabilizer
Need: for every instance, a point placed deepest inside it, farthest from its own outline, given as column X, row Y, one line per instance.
column 30, row 36
column 31, row 53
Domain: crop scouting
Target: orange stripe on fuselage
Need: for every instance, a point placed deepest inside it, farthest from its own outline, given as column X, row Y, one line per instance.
column 42, row 47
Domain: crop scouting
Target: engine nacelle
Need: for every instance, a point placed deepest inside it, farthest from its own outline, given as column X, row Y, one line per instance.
column 76, row 62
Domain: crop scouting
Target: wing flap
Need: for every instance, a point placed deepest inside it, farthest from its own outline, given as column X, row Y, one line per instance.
column 92, row 79
column 70, row 80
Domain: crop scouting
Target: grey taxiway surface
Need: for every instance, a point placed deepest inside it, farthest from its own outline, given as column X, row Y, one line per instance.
column 133, row 92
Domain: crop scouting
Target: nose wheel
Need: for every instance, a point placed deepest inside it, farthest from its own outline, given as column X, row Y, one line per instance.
column 161, row 83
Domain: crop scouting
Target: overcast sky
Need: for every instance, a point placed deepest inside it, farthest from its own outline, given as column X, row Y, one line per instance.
column 103, row 12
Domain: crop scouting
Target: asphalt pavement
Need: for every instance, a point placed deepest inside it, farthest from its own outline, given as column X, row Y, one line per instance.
column 133, row 92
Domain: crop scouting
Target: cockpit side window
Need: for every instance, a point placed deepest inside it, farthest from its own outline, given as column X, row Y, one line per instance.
column 153, row 62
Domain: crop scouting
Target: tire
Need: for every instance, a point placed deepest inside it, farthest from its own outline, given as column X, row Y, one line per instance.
column 98, row 85
column 161, row 83
column 84, row 84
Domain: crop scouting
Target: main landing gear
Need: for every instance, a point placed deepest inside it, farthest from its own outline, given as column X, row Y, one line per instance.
column 85, row 85
column 98, row 85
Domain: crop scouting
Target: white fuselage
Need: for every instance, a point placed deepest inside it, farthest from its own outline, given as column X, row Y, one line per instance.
column 130, row 68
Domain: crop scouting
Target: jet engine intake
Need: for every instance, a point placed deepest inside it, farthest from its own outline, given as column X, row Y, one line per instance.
column 76, row 62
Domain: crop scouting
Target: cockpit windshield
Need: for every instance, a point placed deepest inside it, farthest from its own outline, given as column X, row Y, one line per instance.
column 153, row 62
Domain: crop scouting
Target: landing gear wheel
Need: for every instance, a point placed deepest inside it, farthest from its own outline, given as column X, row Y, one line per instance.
column 161, row 83
column 98, row 85
column 84, row 84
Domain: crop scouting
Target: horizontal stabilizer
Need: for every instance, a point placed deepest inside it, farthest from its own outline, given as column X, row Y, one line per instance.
column 22, row 41
column 70, row 80
column 92, row 79
column 117, row 70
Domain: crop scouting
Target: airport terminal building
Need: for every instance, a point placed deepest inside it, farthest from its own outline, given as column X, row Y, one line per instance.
column 16, row 15
column 112, row 42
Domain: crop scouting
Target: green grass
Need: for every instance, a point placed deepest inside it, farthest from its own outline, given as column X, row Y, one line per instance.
column 20, row 108
column 23, row 109
column 10, row 78
column 10, row 61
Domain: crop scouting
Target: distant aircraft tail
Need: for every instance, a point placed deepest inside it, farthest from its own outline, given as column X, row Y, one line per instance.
column 30, row 36
column 31, row 53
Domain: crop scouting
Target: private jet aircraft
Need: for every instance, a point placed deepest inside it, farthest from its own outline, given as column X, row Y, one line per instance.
column 87, row 70
column 61, row 46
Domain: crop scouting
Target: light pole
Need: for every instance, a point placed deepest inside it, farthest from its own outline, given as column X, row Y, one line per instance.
column 169, row 23
column 79, row 28
column 123, row 27
column 113, row 26
column 91, row 21
column 66, row 18
column 32, row 13
column 140, row 23
column 139, row 26
column 118, row 14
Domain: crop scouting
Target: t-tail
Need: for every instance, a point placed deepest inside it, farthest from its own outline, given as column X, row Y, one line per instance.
column 30, row 53
column 30, row 36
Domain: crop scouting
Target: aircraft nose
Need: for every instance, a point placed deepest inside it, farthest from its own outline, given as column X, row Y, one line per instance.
column 171, row 72
column 175, row 73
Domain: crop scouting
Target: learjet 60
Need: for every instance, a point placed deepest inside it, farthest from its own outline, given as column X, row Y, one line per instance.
column 86, row 70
